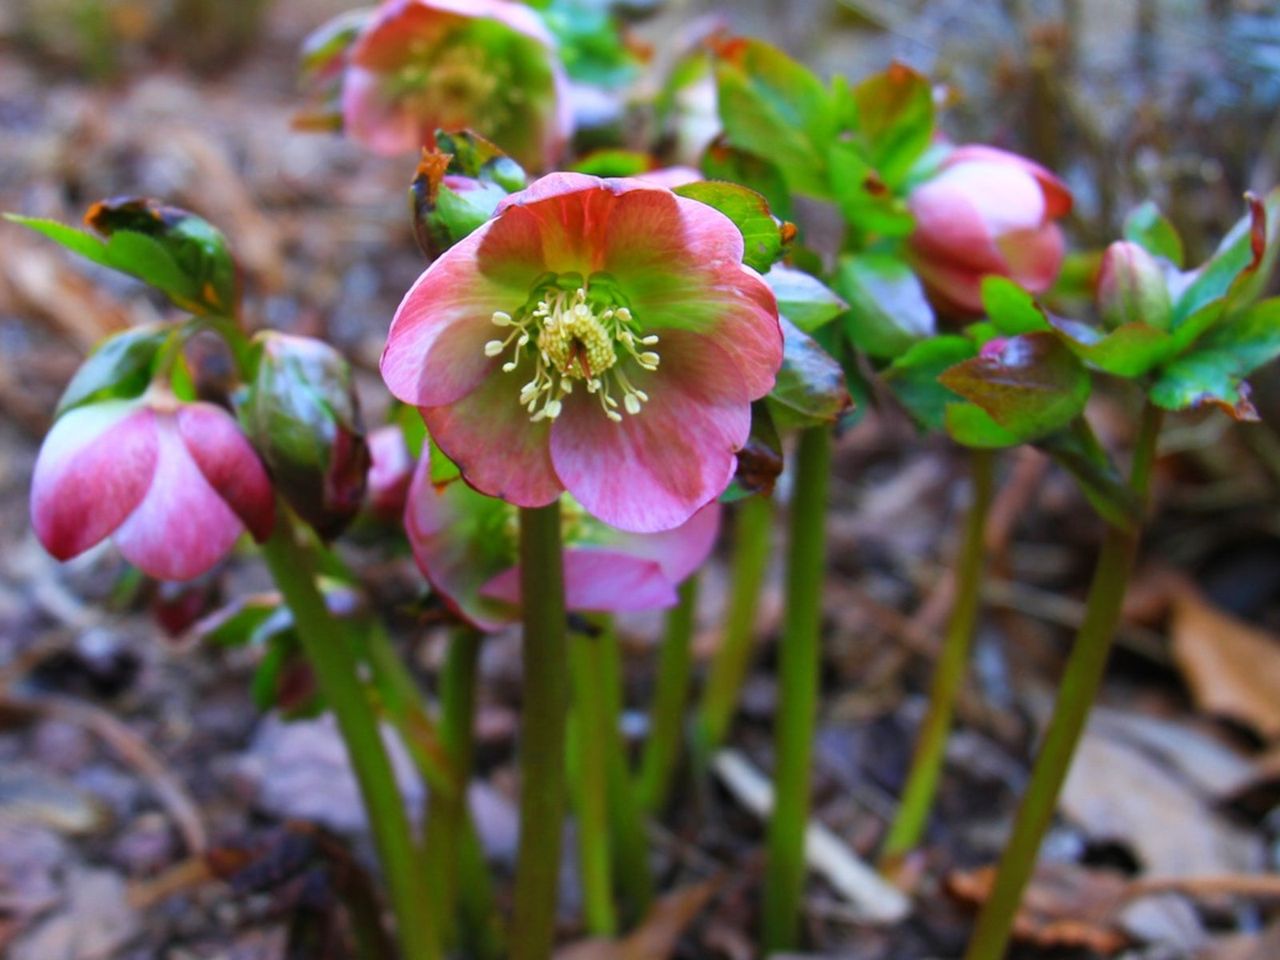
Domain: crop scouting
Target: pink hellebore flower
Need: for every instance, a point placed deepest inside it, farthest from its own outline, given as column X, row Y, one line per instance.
column 987, row 212
column 596, row 336
column 488, row 65
column 466, row 545
column 390, row 471
column 174, row 483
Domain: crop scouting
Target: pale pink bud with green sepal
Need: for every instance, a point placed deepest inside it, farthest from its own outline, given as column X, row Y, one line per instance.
column 1133, row 288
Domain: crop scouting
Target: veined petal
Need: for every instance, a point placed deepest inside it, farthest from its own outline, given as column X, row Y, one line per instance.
column 435, row 348
column 1058, row 200
column 598, row 580
column 678, row 552
column 373, row 119
column 182, row 527
column 93, row 470
column 451, row 532
column 655, row 469
column 492, row 440
column 230, row 465
column 1034, row 256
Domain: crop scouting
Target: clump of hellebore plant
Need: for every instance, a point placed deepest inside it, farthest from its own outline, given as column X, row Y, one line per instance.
column 465, row 544
column 596, row 336
column 412, row 66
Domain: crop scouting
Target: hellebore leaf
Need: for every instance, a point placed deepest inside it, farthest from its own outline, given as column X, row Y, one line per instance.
column 913, row 377
column 178, row 253
column 1130, row 350
column 971, row 426
column 471, row 155
column 888, row 309
column 456, row 188
column 810, row 390
column 869, row 206
column 720, row 161
column 591, row 46
column 614, row 163
column 1011, row 309
column 1078, row 451
column 774, row 107
column 892, row 117
column 763, row 234
column 802, row 298
column 119, row 368
column 1151, row 230
column 1234, row 275
column 1214, row 371
column 760, row 459
column 1031, row 385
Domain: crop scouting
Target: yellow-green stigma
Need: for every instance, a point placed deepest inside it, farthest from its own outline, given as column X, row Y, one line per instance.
column 572, row 339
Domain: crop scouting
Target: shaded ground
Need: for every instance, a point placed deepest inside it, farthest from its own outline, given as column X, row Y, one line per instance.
column 123, row 753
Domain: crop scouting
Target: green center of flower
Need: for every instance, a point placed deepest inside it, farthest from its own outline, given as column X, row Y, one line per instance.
column 456, row 84
column 574, row 338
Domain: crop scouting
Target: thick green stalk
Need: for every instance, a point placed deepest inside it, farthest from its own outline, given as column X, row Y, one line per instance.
column 799, row 665
column 1080, row 683
column 753, row 525
column 592, row 741
column 666, row 719
column 542, row 737
column 626, row 822
column 948, row 679
column 336, row 669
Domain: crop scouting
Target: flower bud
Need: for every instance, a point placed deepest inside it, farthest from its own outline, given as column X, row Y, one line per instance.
column 1132, row 288
column 304, row 419
column 986, row 212
column 390, row 472
column 174, row 483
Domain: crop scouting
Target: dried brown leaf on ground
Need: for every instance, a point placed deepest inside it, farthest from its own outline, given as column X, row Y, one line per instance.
column 1232, row 667
column 1118, row 792
column 1065, row 907
column 43, row 282
column 658, row 934
column 1245, row 946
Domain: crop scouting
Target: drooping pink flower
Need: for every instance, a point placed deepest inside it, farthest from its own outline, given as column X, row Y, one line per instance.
column 466, row 545
column 487, row 65
column 987, row 212
column 390, row 471
column 597, row 336
column 173, row 483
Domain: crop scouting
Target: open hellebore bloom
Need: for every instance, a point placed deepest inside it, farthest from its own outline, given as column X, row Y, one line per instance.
column 987, row 212
column 596, row 336
column 174, row 483
column 487, row 65
column 466, row 545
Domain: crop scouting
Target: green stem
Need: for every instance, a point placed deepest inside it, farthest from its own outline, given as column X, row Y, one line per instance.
column 447, row 811
column 326, row 645
column 542, row 733
column 753, row 525
column 799, row 664
column 626, row 822
column 948, row 679
column 592, row 741
column 666, row 720
column 1080, row 682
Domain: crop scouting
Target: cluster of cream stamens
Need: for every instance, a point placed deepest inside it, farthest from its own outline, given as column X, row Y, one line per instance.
column 574, row 340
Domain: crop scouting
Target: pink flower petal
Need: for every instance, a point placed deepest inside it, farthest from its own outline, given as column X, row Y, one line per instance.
column 182, row 527
column 1034, row 256
column 93, row 470
column 390, row 470
column 373, row 119
column 402, row 23
column 678, row 552
column 951, row 226
column 443, row 527
column 1058, row 199
column 654, row 470
column 671, row 177
column 956, row 290
column 491, row 439
column 435, row 348
column 230, row 465
column 598, row 581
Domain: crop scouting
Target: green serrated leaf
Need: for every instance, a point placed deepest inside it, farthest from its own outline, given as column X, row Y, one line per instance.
column 764, row 237
column 721, row 161
column 971, row 426
column 1130, row 350
column 888, row 309
column 1151, row 230
column 1031, row 385
column 802, row 298
column 1077, row 450
column 871, row 209
column 1011, row 309
column 913, row 377
column 893, row 116
column 810, row 389
column 119, row 368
